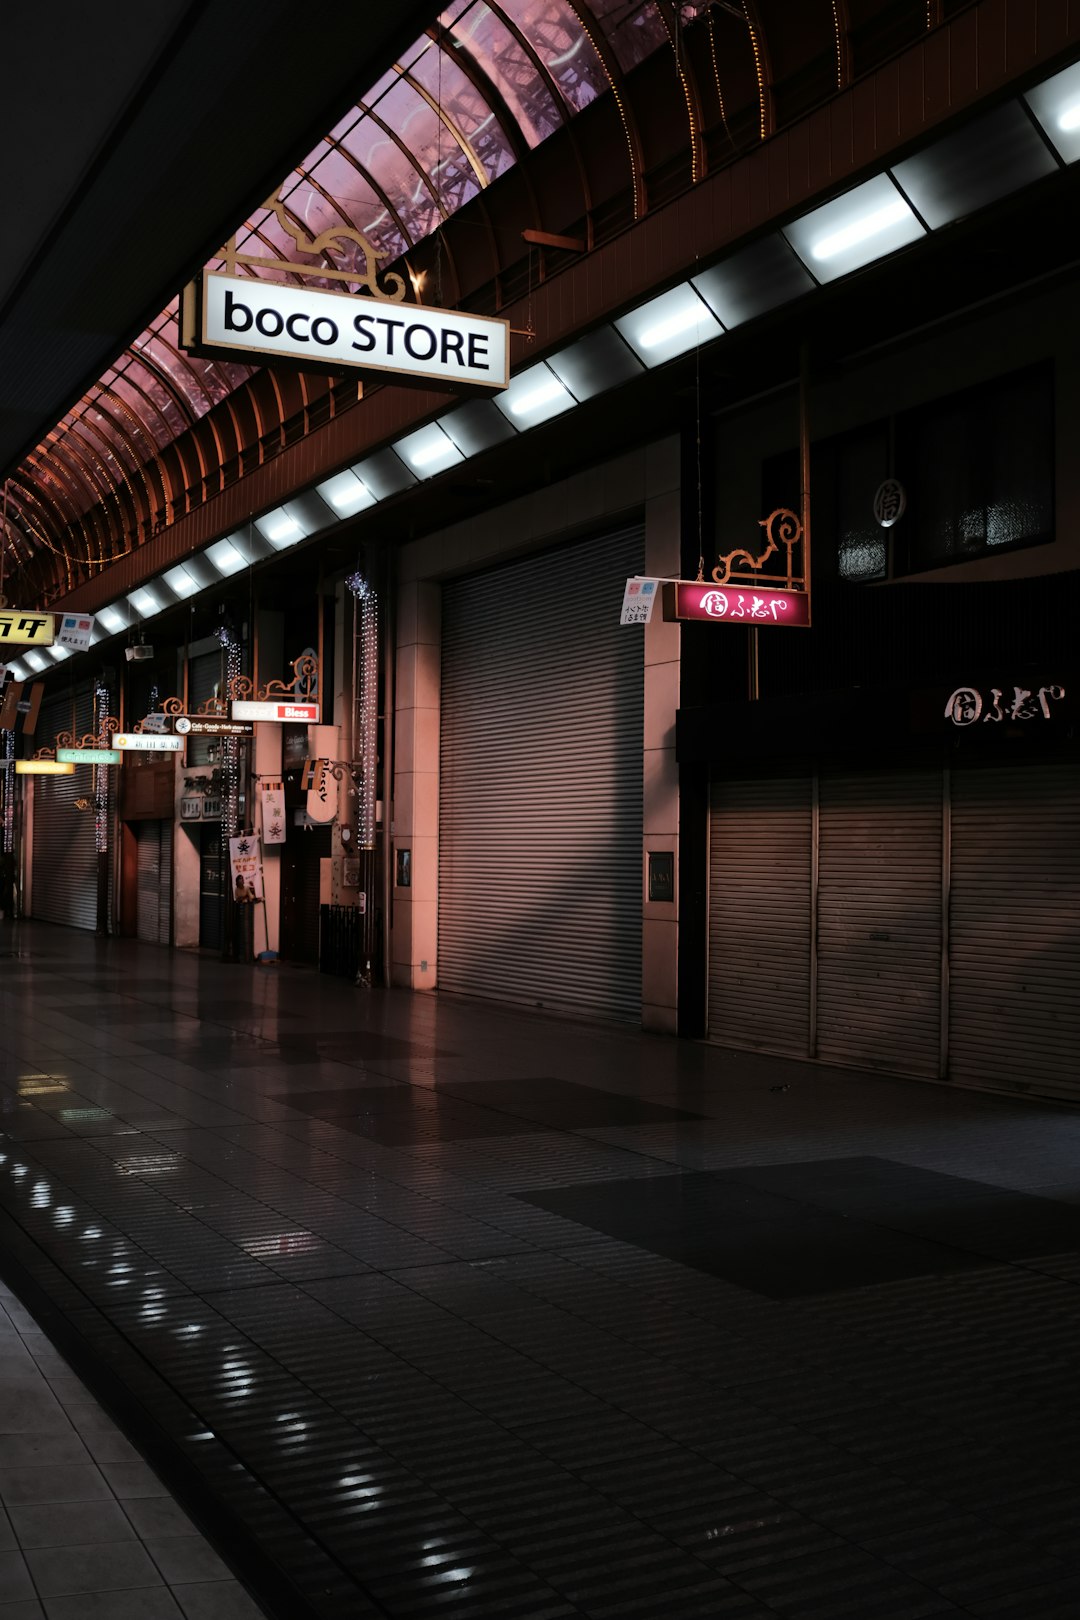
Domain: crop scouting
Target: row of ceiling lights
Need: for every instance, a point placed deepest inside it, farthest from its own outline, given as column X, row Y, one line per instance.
column 986, row 159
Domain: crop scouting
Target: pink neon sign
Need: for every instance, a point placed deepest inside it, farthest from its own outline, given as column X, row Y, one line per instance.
column 736, row 604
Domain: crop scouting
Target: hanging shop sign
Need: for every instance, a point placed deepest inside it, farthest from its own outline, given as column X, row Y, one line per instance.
column 147, row 742
column 22, row 628
column 74, row 630
column 249, row 709
column 42, row 767
column 89, row 756
column 890, row 502
column 685, row 599
column 197, row 725
column 246, row 867
column 249, row 318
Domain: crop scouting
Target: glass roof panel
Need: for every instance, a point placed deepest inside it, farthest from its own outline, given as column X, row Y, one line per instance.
column 554, row 31
column 395, row 175
column 357, row 199
column 508, row 65
column 452, row 89
column 632, row 29
column 433, row 145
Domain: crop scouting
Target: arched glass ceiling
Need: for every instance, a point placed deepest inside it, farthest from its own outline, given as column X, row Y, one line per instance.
column 488, row 81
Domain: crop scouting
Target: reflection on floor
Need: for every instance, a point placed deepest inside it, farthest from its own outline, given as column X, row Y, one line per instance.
column 437, row 1309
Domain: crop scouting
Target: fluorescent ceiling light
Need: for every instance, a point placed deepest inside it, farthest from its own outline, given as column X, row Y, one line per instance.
column 225, row 557
column 59, row 653
column 17, row 672
column 112, row 618
column 1055, row 105
column 535, row 396
column 429, row 450
column 35, row 660
column 860, row 230
column 145, row 602
column 279, row 528
column 863, row 225
column 181, row 581
column 668, row 326
column 346, row 494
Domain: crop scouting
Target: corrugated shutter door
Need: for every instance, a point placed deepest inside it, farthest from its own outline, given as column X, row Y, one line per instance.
column 541, row 783
column 64, row 886
column 759, row 914
column 155, row 880
column 1015, row 929
column 880, row 921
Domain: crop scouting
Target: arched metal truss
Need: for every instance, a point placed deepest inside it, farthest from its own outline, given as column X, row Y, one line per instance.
column 641, row 97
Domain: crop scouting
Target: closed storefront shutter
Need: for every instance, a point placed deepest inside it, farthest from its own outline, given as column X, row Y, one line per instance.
column 64, row 888
column 540, row 888
column 204, row 679
column 1014, row 1012
column 880, row 920
column 759, row 913
column 155, row 881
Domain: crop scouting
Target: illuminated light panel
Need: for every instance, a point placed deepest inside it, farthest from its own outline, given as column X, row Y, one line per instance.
column 42, row 767
column 145, row 602
column 865, row 224
column 346, row 494
column 1055, row 106
column 35, row 661
column 113, row 620
column 181, row 581
column 668, row 326
column 535, row 396
column 59, row 653
column 17, row 672
column 225, row 557
column 279, row 528
column 429, row 450
column 860, row 231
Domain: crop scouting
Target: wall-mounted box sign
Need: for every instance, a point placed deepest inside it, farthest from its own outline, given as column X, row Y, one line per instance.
column 735, row 604
column 282, row 713
column 42, row 767
column 197, row 725
column 147, row 742
column 21, row 628
column 75, row 630
column 250, row 318
column 89, row 756
column 661, row 874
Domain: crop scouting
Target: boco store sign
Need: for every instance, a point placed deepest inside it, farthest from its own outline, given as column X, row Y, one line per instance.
column 334, row 329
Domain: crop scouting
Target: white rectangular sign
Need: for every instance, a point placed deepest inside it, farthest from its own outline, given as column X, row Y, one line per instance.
column 638, row 599
column 246, row 709
column 334, row 329
column 146, row 742
column 74, row 630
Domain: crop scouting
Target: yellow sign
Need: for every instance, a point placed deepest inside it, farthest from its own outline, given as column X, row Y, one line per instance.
column 19, row 627
column 42, row 767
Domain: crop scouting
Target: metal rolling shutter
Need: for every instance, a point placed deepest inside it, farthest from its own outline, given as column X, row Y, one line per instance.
column 880, row 921
column 1015, row 939
column 759, row 913
column 204, row 675
column 541, row 783
column 155, row 881
column 65, row 854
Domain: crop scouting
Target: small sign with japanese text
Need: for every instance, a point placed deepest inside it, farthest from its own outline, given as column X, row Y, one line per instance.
column 20, row 628
column 735, row 604
column 638, row 599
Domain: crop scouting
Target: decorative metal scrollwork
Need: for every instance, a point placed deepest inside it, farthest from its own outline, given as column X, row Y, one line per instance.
column 90, row 739
column 303, row 688
column 392, row 289
column 782, row 528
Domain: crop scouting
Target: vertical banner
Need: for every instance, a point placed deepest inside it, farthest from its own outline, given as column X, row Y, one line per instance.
column 322, row 788
column 246, row 869
column 272, row 812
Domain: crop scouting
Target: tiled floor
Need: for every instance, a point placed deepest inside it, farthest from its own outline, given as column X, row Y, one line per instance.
column 87, row 1529
column 430, row 1309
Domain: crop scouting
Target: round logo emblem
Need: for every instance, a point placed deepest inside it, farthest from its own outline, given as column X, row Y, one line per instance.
column 183, row 724
column 890, row 502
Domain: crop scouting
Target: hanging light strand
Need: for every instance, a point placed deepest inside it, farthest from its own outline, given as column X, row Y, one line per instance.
column 366, row 687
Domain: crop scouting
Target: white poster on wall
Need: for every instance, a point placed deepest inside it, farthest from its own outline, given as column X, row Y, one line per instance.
column 272, row 812
column 246, row 869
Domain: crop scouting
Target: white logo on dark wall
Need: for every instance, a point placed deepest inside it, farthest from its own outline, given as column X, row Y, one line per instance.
column 968, row 706
column 890, row 502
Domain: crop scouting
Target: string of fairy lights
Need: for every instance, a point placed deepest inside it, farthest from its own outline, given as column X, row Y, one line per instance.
column 365, row 702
